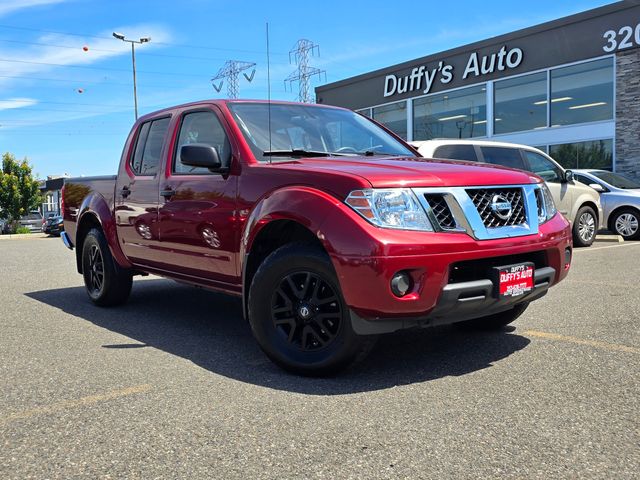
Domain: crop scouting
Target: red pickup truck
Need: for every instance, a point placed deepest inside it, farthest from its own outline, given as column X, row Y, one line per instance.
column 330, row 227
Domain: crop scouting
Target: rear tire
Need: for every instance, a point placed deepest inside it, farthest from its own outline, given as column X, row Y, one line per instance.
column 496, row 321
column 585, row 227
column 106, row 282
column 626, row 223
column 298, row 315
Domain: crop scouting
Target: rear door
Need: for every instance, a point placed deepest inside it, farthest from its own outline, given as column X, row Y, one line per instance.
column 197, row 217
column 136, row 196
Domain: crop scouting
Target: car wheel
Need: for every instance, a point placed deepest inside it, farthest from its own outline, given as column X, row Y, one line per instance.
column 106, row 282
column 585, row 227
column 627, row 224
column 496, row 321
column 298, row 316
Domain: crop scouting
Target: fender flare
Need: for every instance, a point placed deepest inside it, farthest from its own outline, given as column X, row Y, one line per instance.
column 96, row 206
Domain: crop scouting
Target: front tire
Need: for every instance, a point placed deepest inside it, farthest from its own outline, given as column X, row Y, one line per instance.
column 496, row 321
column 585, row 227
column 106, row 282
column 298, row 315
column 626, row 223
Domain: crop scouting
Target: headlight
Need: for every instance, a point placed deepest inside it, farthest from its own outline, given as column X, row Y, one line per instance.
column 390, row 208
column 546, row 207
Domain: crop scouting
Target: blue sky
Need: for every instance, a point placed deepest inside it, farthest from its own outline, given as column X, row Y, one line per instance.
column 70, row 110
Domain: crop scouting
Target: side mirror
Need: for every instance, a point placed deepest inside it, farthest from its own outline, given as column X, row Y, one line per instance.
column 597, row 187
column 202, row 155
column 568, row 176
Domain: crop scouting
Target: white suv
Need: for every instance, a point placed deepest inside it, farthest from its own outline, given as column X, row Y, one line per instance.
column 577, row 202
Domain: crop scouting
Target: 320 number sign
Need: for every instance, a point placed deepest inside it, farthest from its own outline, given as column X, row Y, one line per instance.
column 626, row 37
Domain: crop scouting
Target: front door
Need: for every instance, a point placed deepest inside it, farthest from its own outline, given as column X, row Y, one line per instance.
column 554, row 178
column 136, row 196
column 197, row 208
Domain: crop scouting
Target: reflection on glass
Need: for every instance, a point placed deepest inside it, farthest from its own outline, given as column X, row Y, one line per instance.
column 394, row 117
column 366, row 112
column 457, row 114
column 521, row 103
column 582, row 93
column 595, row 154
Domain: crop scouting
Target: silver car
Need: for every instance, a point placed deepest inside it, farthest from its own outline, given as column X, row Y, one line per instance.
column 620, row 198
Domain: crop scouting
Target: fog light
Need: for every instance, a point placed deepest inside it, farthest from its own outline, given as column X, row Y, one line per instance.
column 567, row 258
column 401, row 283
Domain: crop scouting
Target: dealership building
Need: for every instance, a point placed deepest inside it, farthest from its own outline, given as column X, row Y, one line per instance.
column 570, row 87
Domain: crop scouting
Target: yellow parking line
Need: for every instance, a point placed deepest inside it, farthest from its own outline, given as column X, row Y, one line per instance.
column 614, row 347
column 80, row 402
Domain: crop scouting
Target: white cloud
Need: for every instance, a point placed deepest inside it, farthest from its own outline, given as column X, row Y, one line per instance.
column 17, row 102
column 10, row 6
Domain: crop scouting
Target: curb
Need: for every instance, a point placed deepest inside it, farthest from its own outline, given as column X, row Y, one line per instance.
column 609, row 239
column 18, row 236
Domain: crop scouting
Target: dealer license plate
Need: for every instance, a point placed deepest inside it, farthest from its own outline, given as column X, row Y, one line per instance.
column 514, row 280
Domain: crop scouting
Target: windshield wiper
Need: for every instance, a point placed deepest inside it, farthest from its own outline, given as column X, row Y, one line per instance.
column 373, row 153
column 296, row 152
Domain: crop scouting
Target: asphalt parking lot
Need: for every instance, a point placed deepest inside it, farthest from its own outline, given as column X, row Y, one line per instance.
column 173, row 386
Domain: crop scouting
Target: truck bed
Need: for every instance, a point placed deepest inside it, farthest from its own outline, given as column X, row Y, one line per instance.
column 77, row 189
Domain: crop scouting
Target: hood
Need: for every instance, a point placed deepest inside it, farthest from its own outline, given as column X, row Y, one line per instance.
column 387, row 172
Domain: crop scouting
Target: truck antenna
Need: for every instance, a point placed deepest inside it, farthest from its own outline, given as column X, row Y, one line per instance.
column 269, row 91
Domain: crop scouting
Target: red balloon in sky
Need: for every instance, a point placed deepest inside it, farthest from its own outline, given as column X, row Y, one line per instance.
column 85, row 48
column 80, row 90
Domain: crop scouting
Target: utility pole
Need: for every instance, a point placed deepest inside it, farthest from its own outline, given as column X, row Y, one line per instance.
column 230, row 71
column 300, row 54
column 120, row 36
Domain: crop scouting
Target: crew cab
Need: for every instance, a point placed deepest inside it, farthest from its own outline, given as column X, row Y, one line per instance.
column 330, row 227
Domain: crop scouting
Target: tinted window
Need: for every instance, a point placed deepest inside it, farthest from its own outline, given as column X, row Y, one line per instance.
column 204, row 128
column 593, row 154
column 458, row 114
column 543, row 167
column 149, row 147
column 507, row 157
column 616, row 180
column 456, row 152
column 136, row 161
column 583, row 179
column 394, row 117
column 520, row 103
column 582, row 93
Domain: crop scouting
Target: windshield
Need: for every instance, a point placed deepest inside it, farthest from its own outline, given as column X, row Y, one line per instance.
column 308, row 130
column 616, row 180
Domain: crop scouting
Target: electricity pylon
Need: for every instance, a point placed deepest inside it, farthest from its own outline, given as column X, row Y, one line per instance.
column 300, row 54
column 230, row 71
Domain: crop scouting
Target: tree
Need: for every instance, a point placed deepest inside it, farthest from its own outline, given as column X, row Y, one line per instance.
column 19, row 191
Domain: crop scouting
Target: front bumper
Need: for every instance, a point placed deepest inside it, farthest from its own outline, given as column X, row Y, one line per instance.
column 436, row 297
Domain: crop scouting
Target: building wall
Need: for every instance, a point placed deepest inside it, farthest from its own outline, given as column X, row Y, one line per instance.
column 628, row 113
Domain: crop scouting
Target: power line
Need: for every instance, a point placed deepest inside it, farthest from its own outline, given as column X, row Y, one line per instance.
column 99, row 68
column 106, row 50
column 203, row 47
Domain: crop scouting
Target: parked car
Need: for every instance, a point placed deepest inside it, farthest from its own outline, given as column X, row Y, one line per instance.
column 53, row 225
column 329, row 228
column 578, row 204
column 620, row 198
column 33, row 221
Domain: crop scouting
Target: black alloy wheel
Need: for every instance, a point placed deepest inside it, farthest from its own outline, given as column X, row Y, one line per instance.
column 96, row 271
column 298, row 315
column 305, row 308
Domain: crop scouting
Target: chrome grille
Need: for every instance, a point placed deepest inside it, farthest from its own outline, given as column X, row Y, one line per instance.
column 441, row 211
column 483, row 199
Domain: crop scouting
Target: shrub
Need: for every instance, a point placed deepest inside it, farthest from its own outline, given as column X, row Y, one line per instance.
column 23, row 230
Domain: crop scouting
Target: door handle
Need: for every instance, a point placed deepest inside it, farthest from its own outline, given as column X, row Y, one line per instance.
column 167, row 192
column 125, row 191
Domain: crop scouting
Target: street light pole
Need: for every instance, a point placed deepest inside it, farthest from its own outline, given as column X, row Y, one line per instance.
column 121, row 36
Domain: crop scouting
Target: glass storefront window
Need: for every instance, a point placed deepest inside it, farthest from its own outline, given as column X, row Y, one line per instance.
column 520, row 103
column 394, row 117
column 595, row 154
column 582, row 93
column 365, row 111
column 457, row 114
